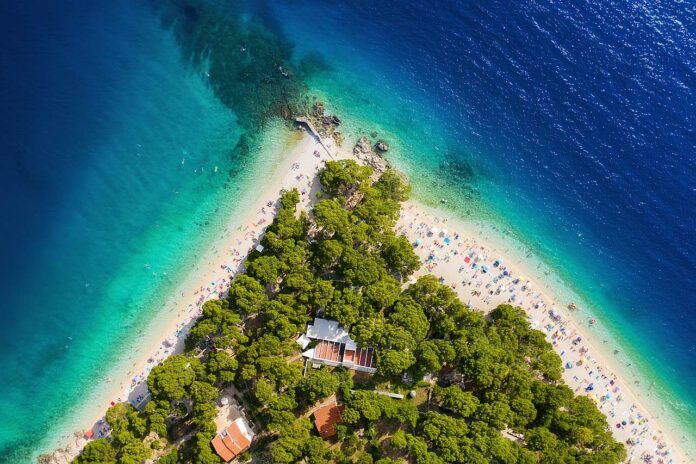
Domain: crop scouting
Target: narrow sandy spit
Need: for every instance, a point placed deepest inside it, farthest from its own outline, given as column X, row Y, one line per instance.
column 209, row 278
column 443, row 253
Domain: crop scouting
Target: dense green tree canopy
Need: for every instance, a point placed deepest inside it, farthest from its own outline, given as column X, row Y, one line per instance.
column 344, row 177
column 246, row 294
column 98, row 451
column 342, row 262
column 409, row 315
column 460, row 402
column 172, row 379
column 398, row 253
column 317, row 385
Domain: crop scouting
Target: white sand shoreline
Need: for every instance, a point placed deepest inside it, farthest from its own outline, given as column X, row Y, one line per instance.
column 297, row 170
column 183, row 307
column 558, row 292
column 654, row 435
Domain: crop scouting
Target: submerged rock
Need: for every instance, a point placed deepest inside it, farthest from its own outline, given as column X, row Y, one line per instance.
column 382, row 146
column 318, row 109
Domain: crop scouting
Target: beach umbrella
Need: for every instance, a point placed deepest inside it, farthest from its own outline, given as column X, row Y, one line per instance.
column 434, row 230
column 569, row 365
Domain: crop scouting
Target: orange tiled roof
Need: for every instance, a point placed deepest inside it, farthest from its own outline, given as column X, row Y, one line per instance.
column 230, row 443
column 326, row 417
column 221, row 449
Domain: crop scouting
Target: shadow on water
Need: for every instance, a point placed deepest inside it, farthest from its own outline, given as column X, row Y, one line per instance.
column 247, row 65
column 248, row 62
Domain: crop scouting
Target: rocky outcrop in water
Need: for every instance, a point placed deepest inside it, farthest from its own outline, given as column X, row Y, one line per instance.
column 325, row 124
column 363, row 147
column 363, row 151
column 382, row 146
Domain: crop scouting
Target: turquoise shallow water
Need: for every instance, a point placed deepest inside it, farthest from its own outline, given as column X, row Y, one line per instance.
column 110, row 193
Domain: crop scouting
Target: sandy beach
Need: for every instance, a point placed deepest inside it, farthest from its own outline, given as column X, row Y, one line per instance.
column 456, row 252
column 209, row 278
column 484, row 277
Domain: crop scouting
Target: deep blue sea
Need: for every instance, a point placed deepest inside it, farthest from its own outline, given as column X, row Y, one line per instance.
column 569, row 124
